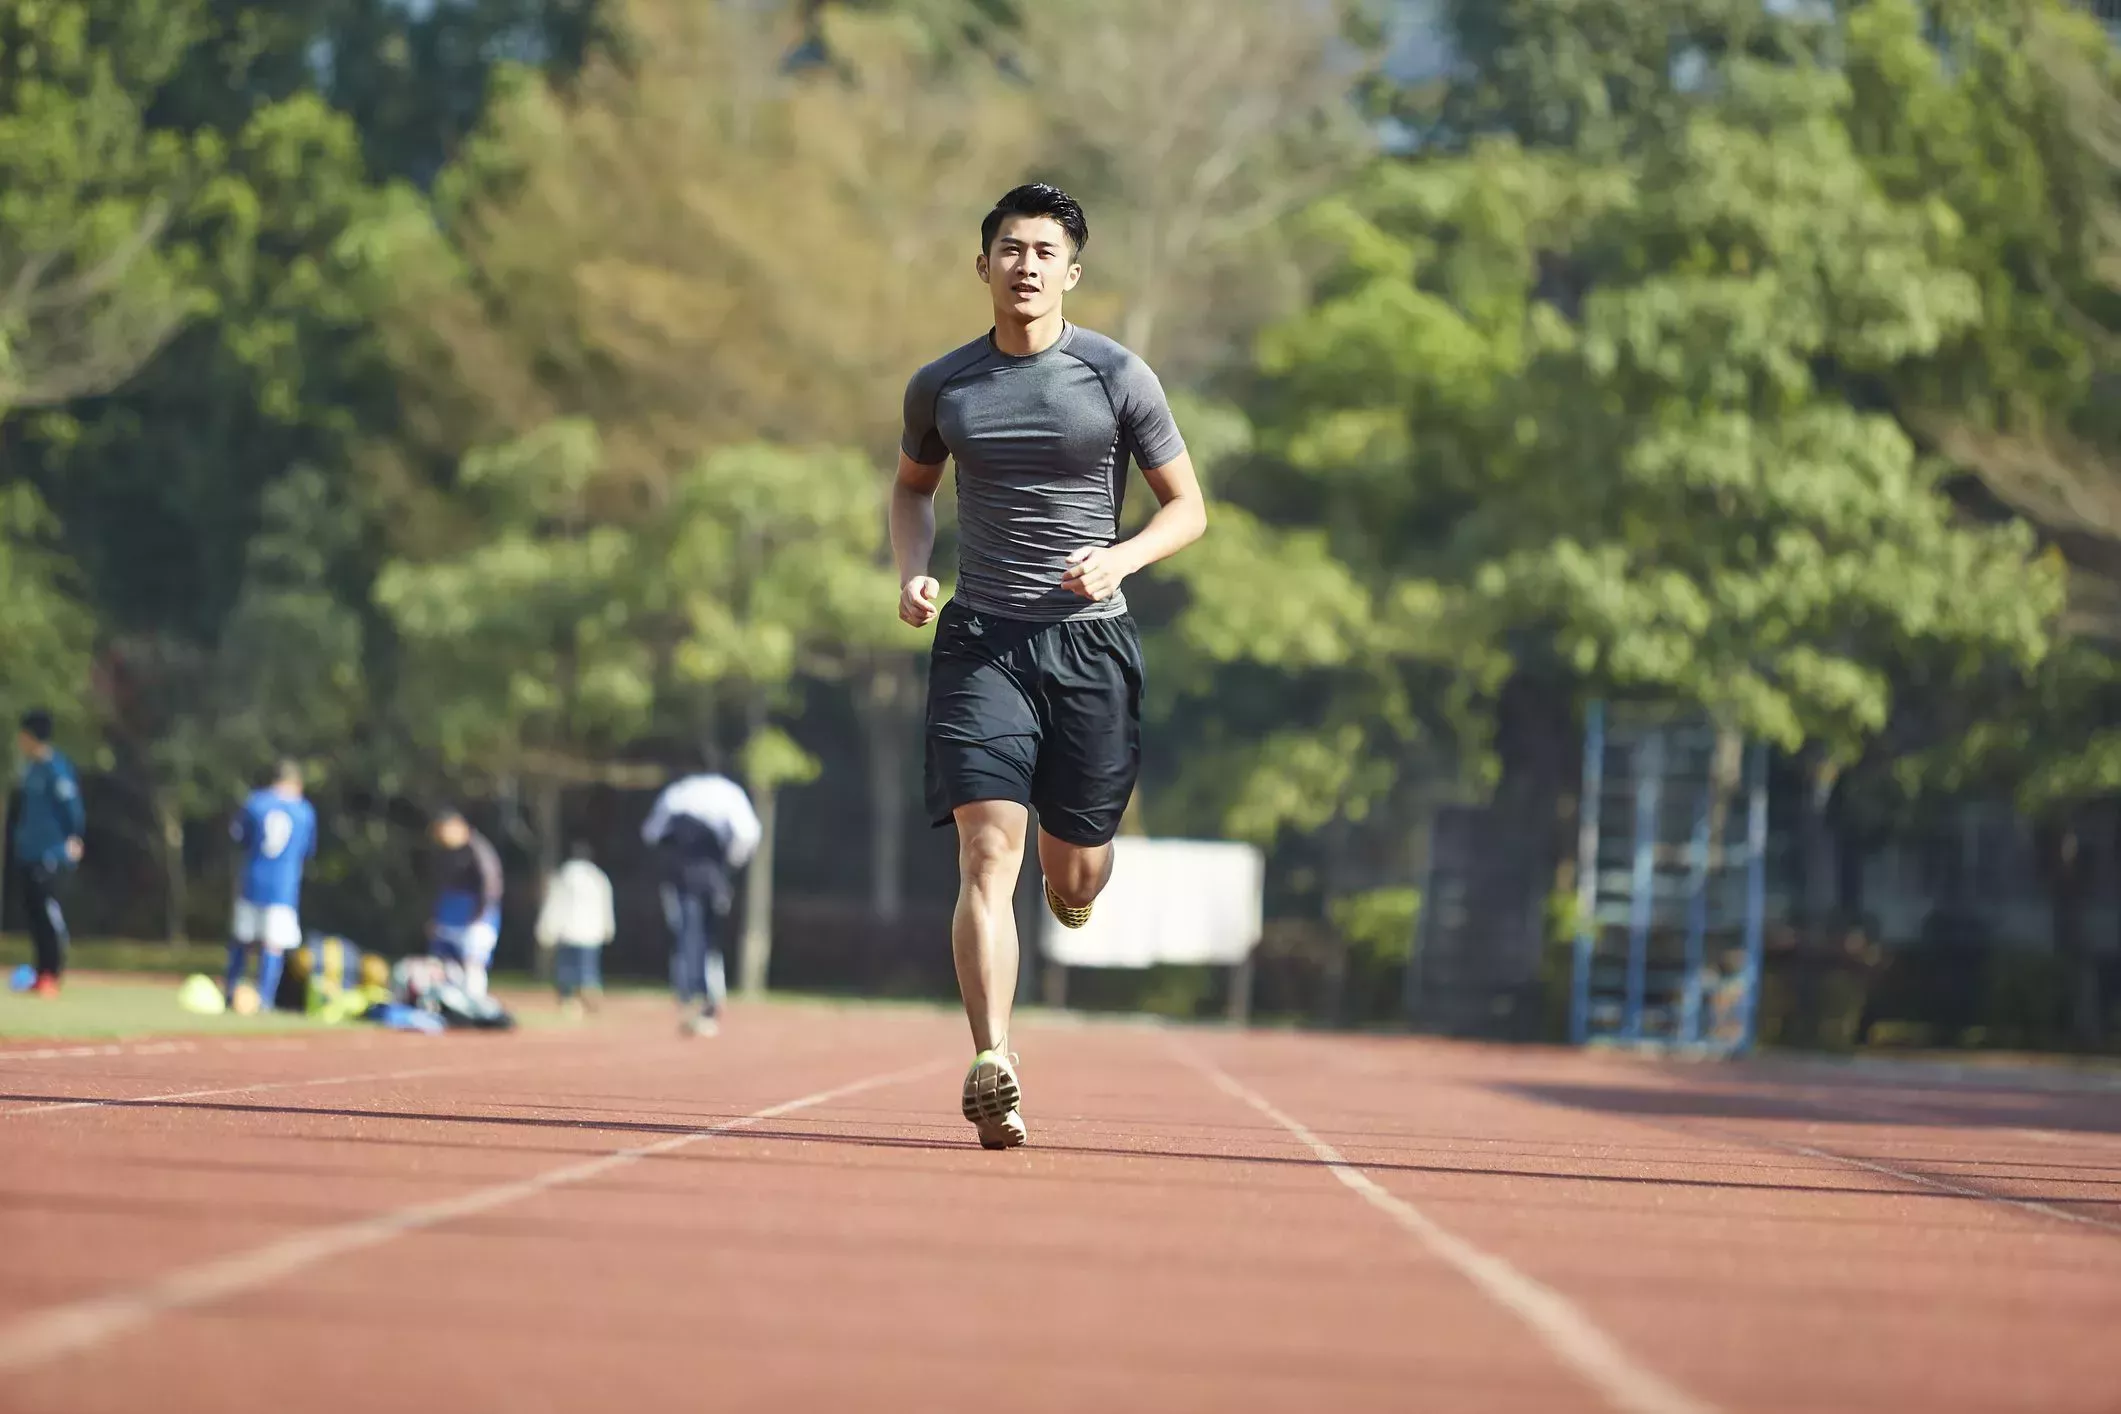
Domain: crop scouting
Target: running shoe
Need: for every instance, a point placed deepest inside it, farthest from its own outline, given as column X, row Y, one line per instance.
column 991, row 1097
column 1069, row 916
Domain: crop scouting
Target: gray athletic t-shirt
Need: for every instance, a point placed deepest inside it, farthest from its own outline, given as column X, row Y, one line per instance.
column 1042, row 444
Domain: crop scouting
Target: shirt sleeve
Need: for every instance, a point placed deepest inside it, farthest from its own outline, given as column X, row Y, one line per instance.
column 552, row 910
column 1145, row 416
column 66, row 793
column 742, row 822
column 608, row 909
column 658, row 820
column 920, row 440
column 239, row 828
column 489, row 870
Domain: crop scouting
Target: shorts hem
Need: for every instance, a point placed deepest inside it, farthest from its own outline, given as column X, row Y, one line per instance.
column 948, row 816
column 1081, row 839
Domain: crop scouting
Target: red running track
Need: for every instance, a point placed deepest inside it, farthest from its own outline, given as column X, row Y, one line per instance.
column 792, row 1217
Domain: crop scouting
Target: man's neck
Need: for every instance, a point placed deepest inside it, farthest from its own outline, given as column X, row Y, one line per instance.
column 1023, row 340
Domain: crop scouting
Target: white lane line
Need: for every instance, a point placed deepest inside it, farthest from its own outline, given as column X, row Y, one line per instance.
column 1571, row 1336
column 43, row 1336
column 57, row 1106
column 1922, row 1180
column 1872, row 1111
column 120, row 1101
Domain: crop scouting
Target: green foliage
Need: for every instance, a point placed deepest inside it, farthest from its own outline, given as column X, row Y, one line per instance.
column 86, row 189
column 773, row 563
column 527, row 638
column 45, row 632
column 1378, row 924
column 1628, row 387
column 772, row 760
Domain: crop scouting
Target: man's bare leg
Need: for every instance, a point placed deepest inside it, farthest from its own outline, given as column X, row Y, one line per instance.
column 990, row 855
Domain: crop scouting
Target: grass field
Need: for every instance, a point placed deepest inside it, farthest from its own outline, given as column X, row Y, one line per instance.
column 101, row 1007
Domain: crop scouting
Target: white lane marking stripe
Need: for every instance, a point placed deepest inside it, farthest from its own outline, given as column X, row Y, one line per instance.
column 2030, row 1205
column 121, row 1101
column 1571, row 1336
column 44, row 1336
column 1873, row 1112
column 55, row 1106
column 153, row 1048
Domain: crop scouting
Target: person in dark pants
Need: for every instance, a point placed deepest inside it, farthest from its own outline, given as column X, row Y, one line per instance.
column 49, row 820
column 704, row 830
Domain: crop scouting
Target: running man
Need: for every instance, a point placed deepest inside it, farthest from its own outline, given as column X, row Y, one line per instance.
column 277, row 832
column 49, row 820
column 1035, row 685
column 467, row 916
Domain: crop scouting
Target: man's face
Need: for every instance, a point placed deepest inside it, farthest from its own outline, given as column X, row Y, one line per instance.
column 27, row 747
column 452, row 833
column 1029, row 267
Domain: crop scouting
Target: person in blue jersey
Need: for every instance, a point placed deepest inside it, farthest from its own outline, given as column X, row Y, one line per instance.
column 467, row 914
column 277, row 831
column 46, row 845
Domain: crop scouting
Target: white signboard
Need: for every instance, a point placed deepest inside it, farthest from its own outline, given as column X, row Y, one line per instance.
column 1170, row 901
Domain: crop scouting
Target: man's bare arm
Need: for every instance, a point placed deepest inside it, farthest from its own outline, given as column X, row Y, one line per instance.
column 1181, row 517
column 913, row 538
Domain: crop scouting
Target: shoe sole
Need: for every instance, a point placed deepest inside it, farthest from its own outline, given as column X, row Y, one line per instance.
column 1004, row 1136
column 991, row 1096
column 1067, row 915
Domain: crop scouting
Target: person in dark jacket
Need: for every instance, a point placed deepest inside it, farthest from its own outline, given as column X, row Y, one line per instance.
column 467, row 915
column 704, row 832
column 47, row 827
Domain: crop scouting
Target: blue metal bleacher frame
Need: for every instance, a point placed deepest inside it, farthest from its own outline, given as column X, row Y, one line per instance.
column 1671, row 848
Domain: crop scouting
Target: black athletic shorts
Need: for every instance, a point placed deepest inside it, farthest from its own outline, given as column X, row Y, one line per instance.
column 1045, row 714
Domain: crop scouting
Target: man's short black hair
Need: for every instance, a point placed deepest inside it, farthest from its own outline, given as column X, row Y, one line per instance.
column 38, row 724
column 1037, row 199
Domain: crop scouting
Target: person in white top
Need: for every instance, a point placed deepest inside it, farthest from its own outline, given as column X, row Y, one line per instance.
column 579, row 918
column 704, row 832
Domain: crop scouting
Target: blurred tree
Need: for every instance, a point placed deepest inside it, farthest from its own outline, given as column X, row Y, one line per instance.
column 772, row 257
column 209, row 126
column 87, row 293
column 190, row 726
column 1190, row 129
column 770, row 561
column 522, row 658
column 46, row 633
column 1597, row 398
column 2020, row 132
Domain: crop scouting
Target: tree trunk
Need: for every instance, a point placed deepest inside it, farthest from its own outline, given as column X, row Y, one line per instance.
column 886, row 699
column 545, row 820
column 2069, row 890
column 1818, row 870
column 758, row 884
column 176, row 899
column 1540, row 754
column 758, row 899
